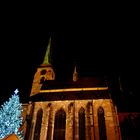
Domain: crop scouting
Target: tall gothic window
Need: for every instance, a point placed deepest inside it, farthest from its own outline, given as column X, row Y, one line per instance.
column 38, row 124
column 82, row 124
column 60, row 125
column 28, row 127
column 101, row 124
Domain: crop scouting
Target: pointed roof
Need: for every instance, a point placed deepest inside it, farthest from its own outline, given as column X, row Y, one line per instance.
column 47, row 58
column 75, row 74
column 75, row 70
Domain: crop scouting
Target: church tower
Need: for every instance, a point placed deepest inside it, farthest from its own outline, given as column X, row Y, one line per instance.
column 76, row 109
column 44, row 72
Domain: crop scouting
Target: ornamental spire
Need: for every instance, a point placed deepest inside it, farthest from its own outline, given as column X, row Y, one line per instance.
column 75, row 74
column 47, row 58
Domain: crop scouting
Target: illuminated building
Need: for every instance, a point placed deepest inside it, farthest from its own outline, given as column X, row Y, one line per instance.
column 77, row 109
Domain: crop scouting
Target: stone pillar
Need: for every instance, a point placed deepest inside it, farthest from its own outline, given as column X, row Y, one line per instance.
column 109, row 124
column 112, row 125
column 29, row 109
column 76, row 122
column 89, row 121
column 96, row 129
column 52, row 123
column 33, row 122
column 87, row 124
column 45, row 121
column 69, row 122
column 92, row 121
column 117, row 125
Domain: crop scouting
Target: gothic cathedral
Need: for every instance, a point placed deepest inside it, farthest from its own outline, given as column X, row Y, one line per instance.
column 77, row 109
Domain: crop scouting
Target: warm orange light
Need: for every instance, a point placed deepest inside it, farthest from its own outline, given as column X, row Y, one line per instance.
column 74, row 89
column 11, row 137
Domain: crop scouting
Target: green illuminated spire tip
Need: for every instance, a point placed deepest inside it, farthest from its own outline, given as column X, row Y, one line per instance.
column 47, row 57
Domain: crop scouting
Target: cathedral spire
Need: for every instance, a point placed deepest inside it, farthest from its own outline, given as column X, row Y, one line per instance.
column 47, row 58
column 75, row 74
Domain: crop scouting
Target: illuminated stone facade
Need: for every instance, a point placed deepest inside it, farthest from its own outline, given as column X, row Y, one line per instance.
column 76, row 110
column 71, row 109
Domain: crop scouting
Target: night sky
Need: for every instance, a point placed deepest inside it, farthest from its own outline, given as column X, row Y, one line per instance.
column 99, row 44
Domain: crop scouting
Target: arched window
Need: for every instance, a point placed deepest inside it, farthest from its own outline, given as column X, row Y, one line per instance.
column 60, row 125
column 42, row 80
column 101, row 124
column 43, row 72
column 82, row 124
column 28, row 127
column 38, row 124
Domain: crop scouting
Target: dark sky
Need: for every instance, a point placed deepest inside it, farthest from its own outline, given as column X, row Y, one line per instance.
column 101, row 43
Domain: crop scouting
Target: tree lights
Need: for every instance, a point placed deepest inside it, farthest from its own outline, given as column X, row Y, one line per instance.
column 10, row 116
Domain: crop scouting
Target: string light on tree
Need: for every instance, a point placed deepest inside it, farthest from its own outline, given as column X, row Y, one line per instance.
column 10, row 117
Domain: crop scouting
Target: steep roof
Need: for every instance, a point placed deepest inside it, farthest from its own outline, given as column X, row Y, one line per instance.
column 80, row 83
column 83, row 88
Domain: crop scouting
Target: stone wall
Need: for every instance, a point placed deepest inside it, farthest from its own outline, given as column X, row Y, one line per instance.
column 71, row 108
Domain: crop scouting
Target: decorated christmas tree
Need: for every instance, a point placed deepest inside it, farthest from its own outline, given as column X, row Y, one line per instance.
column 10, row 117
